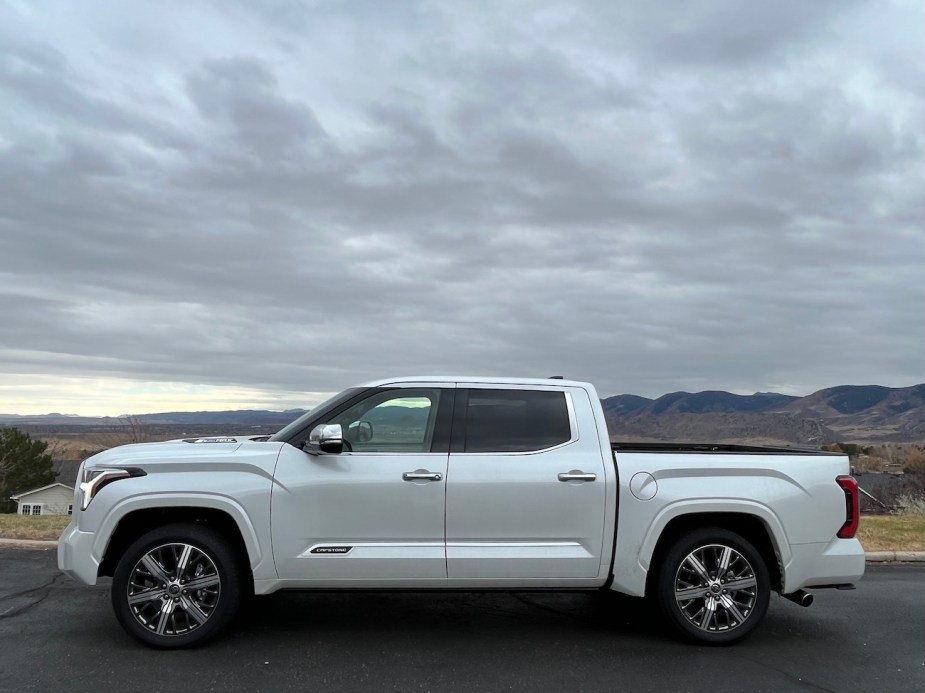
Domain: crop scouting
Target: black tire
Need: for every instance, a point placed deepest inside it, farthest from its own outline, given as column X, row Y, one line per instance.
column 712, row 606
column 179, row 615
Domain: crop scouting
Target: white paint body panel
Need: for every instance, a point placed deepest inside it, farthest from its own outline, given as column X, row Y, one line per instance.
column 794, row 496
column 493, row 521
column 232, row 477
column 509, row 516
column 360, row 500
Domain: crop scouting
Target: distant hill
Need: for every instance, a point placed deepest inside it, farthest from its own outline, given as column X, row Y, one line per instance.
column 408, row 417
column 245, row 416
column 625, row 405
column 726, row 427
column 711, row 401
column 250, row 417
column 847, row 413
column 869, row 413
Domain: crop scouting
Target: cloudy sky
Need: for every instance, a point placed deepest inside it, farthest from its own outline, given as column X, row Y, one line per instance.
column 208, row 204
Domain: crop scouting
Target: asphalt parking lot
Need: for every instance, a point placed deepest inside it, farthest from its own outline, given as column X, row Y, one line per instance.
column 56, row 635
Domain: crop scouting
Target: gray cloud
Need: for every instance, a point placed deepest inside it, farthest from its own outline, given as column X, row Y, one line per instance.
column 309, row 196
column 242, row 94
column 724, row 33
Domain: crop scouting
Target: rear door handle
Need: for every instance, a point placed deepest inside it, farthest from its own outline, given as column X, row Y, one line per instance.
column 422, row 475
column 576, row 475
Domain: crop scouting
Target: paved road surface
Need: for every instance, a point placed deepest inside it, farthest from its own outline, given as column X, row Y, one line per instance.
column 56, row 635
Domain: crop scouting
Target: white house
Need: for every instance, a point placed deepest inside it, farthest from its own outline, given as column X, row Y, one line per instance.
column 54, row 499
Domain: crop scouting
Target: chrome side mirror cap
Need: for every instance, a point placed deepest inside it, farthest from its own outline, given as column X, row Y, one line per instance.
column 325, row 438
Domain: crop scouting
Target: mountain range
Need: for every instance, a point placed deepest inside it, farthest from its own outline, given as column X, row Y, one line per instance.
column 248, row 417
column 869, row 413
column 847, row 413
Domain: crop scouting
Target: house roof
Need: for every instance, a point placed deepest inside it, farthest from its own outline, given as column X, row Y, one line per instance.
column 36, row 490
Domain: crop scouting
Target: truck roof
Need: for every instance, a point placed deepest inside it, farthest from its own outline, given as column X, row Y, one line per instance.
column 485, row 379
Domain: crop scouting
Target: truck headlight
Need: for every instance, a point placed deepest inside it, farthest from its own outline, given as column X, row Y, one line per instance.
column 95, row 478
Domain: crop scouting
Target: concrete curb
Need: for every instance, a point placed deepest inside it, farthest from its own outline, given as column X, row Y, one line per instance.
column 895, row 556
column 871, row 556
column 28, row 543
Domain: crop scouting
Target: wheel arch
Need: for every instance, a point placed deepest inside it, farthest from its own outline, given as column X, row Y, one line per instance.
column 750, row 527
column 134, row 522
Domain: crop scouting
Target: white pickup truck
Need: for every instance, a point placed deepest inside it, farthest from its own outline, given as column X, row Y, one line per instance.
column 459, row 483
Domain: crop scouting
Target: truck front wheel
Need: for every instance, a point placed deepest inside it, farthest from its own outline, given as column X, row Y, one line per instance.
column 712, row 586
column 176, row 586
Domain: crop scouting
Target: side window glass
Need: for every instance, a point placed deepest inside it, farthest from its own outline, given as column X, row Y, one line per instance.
column 516, row 420
column 399, row 420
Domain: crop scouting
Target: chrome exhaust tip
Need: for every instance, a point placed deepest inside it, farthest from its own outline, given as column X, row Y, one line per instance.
column 801, row 597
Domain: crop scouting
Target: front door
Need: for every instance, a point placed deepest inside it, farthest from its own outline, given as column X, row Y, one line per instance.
column 375, row 511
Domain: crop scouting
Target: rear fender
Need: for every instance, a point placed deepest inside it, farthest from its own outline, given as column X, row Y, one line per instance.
column 630, row 575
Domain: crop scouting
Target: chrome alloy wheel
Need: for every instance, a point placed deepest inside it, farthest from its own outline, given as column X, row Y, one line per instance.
column 716, row 588
column 173, row 589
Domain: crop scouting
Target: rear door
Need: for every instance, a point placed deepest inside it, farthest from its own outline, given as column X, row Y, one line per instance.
column 525, row 485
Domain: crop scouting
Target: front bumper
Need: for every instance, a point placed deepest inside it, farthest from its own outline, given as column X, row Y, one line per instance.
column 75, row 554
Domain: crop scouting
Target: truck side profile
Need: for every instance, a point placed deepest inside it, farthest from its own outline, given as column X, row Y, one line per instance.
column 458, row 483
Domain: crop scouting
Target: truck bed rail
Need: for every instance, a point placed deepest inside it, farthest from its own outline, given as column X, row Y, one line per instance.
column 719, row 448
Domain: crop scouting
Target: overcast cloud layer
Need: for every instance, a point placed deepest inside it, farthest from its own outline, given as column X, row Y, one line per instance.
column 208, row 204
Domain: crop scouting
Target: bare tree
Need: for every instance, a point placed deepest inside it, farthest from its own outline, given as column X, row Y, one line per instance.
column 130, row 429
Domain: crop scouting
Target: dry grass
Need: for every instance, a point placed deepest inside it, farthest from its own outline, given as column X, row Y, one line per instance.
column 892, row 532
column 25, row 527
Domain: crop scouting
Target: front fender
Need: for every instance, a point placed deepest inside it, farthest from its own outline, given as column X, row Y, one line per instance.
column 172, row 499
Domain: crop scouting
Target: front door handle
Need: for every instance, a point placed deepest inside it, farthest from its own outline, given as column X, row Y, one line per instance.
column 422, row 475
column 576, row 475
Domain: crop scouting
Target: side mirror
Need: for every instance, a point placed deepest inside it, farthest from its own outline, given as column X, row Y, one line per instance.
column 325, row 438
column 360, row 431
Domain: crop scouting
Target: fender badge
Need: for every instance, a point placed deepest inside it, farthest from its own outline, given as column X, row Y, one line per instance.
column 332, row 549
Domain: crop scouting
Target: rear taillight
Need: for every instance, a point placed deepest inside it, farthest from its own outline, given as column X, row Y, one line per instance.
column 852, row 506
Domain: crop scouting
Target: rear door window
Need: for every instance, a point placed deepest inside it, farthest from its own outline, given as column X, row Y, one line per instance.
column 515, row 420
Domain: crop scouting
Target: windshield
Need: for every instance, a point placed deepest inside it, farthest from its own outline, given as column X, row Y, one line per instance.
column 285, row 433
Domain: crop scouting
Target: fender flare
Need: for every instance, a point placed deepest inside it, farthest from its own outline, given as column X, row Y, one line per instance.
column 726, row 506
column 172, row 499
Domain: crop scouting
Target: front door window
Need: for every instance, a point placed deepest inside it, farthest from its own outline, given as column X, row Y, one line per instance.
column 391, row 421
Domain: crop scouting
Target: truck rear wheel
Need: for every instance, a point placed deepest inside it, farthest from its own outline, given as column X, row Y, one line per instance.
column 713, row 587
column 177, row 586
